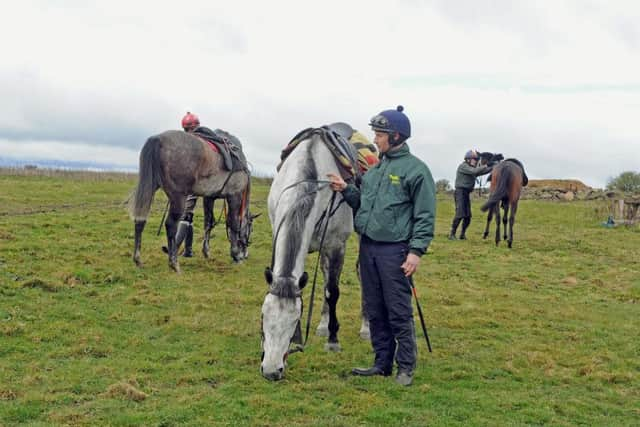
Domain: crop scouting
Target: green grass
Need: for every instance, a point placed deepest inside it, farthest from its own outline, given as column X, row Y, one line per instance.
column 543, row 334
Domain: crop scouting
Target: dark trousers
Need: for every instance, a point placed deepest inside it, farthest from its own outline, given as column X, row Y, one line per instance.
column 462, row 198
column 387, row 303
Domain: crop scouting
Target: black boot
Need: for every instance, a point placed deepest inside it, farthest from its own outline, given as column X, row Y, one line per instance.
column 183, row 226
column 188, row 242
column 465, row 225
column 454, row 228
column 370, row 372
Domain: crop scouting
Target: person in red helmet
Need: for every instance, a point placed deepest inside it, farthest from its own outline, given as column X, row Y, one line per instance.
column 190, row 122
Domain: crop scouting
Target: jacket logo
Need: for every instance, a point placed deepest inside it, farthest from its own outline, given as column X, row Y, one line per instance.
column 395, row 179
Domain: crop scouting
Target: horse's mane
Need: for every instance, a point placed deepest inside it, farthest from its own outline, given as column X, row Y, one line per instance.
column 294, row 218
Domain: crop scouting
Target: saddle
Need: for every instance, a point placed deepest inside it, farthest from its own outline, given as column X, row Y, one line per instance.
column 228, row 145
column 350, row 148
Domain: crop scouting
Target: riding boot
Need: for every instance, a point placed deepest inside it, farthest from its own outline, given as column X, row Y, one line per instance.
column 465, row 225
column 454, row 228
column 188, row 242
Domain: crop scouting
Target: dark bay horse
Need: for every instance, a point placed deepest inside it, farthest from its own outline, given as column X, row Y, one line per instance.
column 183, row 164
column 507, row 180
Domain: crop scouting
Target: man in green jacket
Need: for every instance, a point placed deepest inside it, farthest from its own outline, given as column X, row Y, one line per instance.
column 466, row 175
column 395, row 217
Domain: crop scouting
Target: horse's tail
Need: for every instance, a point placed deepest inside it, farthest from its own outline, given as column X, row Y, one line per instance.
column 149, row 180
column 501, row 191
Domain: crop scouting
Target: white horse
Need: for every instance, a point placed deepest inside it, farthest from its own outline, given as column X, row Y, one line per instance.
column 299, row 208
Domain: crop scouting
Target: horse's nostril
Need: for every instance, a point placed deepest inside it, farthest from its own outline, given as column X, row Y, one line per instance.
column 281, row 370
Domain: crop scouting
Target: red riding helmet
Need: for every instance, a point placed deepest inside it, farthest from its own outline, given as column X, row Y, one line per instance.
column 190, row 121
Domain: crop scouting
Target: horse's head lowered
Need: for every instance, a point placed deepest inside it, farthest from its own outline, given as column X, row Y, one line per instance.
column 239, row 233
column 281, row 312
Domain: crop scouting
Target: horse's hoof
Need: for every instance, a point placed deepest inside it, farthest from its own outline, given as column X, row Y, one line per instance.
column 333, row 347
column 175, row 267
column 365, row 335
column 322, row 331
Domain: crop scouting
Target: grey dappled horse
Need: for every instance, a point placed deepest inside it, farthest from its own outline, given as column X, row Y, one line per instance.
column 298, row 201
column 183, row 164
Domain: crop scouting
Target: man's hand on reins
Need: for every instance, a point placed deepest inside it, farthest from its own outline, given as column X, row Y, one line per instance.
column 410, row 265
column 337, row 183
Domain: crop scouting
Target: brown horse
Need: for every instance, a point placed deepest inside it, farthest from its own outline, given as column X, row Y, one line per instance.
column 507, row 180
column 183, row 164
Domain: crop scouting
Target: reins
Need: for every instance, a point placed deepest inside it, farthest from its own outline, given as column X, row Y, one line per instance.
column 315, row 276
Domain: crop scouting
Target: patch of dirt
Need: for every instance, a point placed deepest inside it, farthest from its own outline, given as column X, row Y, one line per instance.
column 38, row 283
column 570, row 280
column 127, row 390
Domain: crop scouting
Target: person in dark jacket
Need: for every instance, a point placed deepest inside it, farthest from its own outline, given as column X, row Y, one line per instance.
column 465, row 182
column 395, row 217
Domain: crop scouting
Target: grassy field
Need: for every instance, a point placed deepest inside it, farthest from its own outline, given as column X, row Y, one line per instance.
column 544, row 334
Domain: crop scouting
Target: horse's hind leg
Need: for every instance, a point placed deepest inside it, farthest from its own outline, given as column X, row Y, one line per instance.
column 512, row 220
column 365, row 333
column 209, row 222
column 332, row 263
column 497, row 213
column 505, row 219
column 176, row 210
column 139, row 227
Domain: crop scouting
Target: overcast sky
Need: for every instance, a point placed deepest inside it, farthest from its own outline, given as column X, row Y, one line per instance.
column 553, row 83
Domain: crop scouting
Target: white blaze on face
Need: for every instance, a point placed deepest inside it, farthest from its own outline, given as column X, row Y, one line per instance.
column 279, row 319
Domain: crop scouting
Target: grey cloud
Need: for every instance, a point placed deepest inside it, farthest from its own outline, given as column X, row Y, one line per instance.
column 64, row 114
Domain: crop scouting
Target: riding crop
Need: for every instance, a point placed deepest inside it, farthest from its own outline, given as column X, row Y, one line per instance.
column 424, row 328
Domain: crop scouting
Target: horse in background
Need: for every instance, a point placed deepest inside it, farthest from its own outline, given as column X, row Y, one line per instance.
column 306, row 216
column 507, row 180
column 183, row 164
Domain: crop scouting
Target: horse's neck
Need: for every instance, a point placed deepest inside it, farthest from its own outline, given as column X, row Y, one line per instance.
column 299, row 203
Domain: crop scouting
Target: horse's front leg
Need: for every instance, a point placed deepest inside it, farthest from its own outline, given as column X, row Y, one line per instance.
column 139, row 228
column 332, row 263
column 209, row 223
column 234, row 204
column 497, row 213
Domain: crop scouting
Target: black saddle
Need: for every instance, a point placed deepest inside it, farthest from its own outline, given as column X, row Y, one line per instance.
column 228, row 145
column 336, row 136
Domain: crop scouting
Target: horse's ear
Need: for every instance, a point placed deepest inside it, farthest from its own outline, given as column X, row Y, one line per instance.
column 303, row 280
column 268, row 275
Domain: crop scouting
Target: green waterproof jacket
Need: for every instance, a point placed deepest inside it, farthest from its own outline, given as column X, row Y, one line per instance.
column 466, row 175
column 396, row 201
